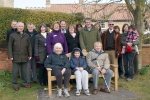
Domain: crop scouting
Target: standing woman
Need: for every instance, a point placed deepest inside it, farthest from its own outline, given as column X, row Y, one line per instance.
column 128, row 57
column 41, row 54
column 78, row 28
column 97, row 25
column 72, row 38
column 56, row 37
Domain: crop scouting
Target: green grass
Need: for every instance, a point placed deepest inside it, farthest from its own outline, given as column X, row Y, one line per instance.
column 140, row 85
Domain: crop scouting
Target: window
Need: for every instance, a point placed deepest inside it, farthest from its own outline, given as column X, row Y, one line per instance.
column 102, row 25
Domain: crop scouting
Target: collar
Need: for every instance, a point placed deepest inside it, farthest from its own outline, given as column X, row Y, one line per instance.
column 111, row 30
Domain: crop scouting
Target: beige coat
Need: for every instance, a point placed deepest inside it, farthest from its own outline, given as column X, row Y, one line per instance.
column 102, row 59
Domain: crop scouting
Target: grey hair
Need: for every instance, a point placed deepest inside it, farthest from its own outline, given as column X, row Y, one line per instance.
column 57, row 45
column 20, row 23
column 13, row 21
column 97, row 43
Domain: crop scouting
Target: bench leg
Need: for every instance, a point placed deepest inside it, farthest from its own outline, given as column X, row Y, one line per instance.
column 49, row 84
column 116, row 78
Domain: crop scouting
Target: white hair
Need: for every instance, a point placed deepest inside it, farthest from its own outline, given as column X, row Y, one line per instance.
column 98, row 43
column 13, row 21
column 20, row 23
column 57, row 45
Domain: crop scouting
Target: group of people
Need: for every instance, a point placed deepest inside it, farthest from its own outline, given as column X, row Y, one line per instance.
column 49, row 46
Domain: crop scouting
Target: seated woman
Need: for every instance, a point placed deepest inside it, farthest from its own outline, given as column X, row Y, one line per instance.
column 59, row 64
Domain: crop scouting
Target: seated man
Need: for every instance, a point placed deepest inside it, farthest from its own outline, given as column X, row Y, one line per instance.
column 98, row 62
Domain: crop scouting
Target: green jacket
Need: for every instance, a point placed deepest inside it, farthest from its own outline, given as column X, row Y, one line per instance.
column 88, row 38
column 124, row 42
column 19, row 47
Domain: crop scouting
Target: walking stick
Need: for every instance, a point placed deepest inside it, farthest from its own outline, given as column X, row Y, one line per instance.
column 104, row 78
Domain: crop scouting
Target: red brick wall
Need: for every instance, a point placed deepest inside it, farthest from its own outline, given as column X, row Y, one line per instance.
column 5, row 63
column 146, row 54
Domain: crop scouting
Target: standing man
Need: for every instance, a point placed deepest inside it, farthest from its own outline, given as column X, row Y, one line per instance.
column 31, row 63
column 111, row 43
column 19, row 51
column 63, row 26
column 88, row 36
column 12, row 30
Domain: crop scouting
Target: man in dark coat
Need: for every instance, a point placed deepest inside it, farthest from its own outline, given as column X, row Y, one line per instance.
column 19, row 51
column 31, row 63
column 12, row 30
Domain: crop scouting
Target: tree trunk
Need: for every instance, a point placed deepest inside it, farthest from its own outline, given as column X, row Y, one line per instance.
column 139, row 24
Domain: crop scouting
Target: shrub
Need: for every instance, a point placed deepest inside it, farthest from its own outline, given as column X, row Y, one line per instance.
column 144, row 71
column 26, row 16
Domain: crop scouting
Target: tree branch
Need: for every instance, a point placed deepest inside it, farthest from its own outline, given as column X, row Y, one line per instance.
column 129, row 6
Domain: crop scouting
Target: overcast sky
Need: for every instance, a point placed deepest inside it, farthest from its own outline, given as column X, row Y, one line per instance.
column 42, row 3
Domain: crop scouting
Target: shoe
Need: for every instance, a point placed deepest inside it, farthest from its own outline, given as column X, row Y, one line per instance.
column 122, row 76
column 78, row 92
column 95, row 91
column 128, row 79
column 59, row 94
column 104, row 90
column 87, row 92
column 27, row 86
column 66, row 94
column 16, row 89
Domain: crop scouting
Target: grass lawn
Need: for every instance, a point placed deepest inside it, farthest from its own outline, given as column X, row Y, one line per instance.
column 140, row 86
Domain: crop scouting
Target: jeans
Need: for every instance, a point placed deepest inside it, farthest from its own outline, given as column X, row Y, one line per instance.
column 128, row 64
column 120, row 67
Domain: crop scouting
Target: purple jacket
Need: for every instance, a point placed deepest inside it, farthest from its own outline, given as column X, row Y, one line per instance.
column 53, row 38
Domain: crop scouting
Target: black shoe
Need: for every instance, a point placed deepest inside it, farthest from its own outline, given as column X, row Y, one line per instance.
column 42, row 83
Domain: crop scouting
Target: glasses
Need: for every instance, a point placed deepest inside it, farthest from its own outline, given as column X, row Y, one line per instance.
column 111, row 24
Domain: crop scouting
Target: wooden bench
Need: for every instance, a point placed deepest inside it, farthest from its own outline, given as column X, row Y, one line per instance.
column 53, row 78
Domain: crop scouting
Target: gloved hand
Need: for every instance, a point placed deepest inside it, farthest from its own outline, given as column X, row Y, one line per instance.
column 37, row 58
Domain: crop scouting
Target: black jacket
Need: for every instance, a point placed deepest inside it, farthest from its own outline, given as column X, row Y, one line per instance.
column 10, row 32
column 74, row 62
column 32, row 39
column 72, row 42
column 55, row 61
column 19, row 47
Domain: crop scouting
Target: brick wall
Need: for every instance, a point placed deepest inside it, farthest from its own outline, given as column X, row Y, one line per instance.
column 5, row 63
column 146, row 54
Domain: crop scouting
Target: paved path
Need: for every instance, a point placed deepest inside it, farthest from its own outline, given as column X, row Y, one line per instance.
column 122, row 94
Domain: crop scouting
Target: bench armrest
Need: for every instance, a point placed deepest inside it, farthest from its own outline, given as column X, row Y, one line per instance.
column 49, row 69
column 113, row 66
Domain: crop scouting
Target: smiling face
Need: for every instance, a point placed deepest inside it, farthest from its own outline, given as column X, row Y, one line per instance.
column 111, row 25
column 77, row 54
column 30, row 27
column 126, row 29
column 43, row 29
column 98, row 47
column 88, row 23
column 71, row 29
column 63, row 25
column 20, row 27
column 58, row 50
column 56, row 27
column 14, row 25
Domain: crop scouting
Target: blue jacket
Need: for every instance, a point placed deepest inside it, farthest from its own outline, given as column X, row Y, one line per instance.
column 74, row 62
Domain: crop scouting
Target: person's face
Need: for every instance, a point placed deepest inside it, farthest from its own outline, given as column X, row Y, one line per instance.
column 30, row 28
column 79, row 28
column 98, row 47
column 117, row 30
column 43, row 29
column 77, row 54
column 71, row 29
column 97, row 26
column 56, row 27
column 126, row 28
column 14, row 25
column 63, row 25
column 130, row 29
column 111, row 25
column 58, row 50
column 88, row 23
column 20, row 27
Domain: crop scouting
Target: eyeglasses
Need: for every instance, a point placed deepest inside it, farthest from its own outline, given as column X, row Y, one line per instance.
column 111, row 24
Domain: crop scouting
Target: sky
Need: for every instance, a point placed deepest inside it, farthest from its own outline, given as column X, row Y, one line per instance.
column 42, row 3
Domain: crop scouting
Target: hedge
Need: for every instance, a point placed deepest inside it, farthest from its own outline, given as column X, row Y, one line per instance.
column 26, row 16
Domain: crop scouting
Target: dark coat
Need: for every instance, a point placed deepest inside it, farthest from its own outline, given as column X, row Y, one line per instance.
column 19, row 47
column 117, row 39
column 32, row 39
column 40, row 48
column 74, row 62
column 9, row 33
column 55, row 61
column 72, row 42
